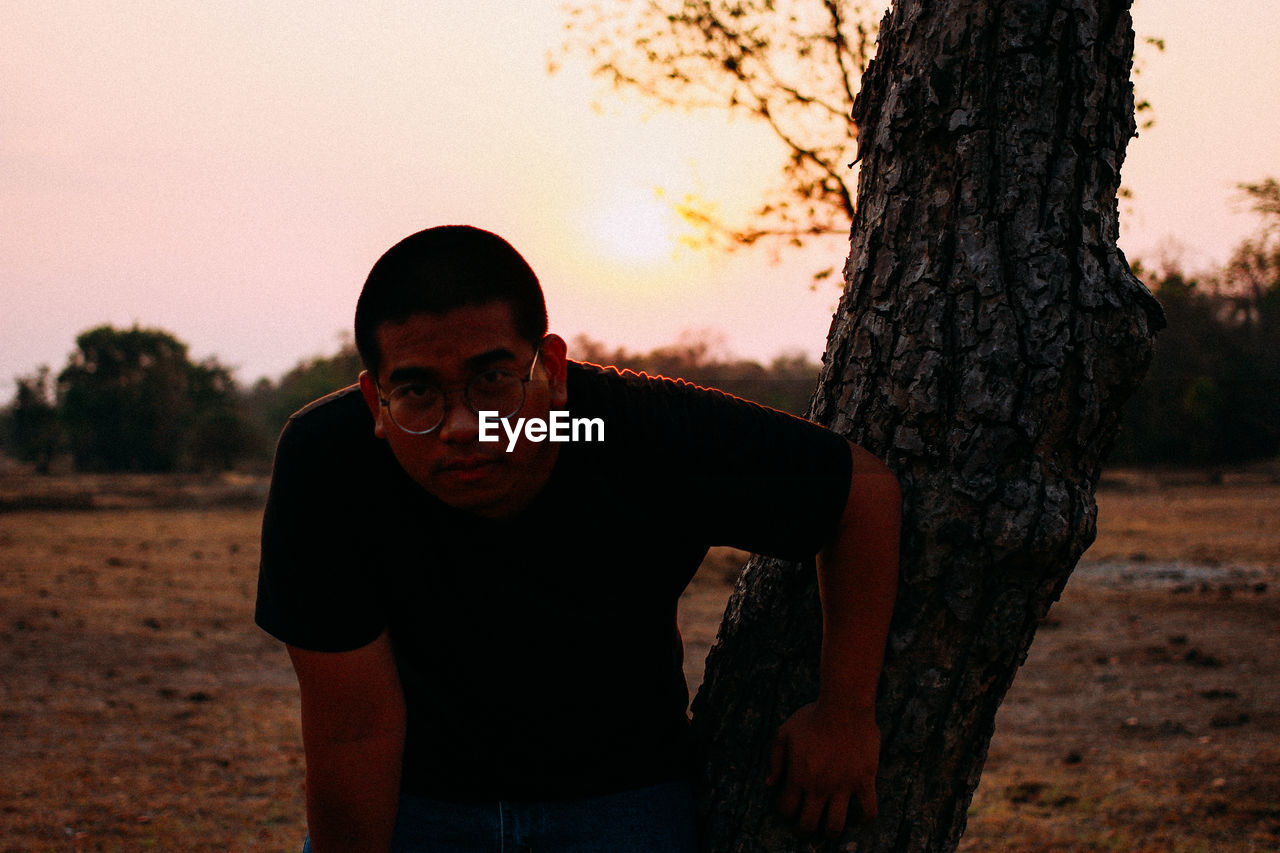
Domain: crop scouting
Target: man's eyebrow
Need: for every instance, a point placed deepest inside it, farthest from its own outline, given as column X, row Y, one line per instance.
column 488, row 359
column 412, row 374
column 474, row 364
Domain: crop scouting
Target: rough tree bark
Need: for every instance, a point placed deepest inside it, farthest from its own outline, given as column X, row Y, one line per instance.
column 988, row 334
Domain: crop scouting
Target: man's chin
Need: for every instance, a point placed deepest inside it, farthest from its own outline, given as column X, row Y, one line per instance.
column 475, row 489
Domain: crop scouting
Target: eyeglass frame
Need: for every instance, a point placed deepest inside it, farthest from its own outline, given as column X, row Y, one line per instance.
column 466, row 399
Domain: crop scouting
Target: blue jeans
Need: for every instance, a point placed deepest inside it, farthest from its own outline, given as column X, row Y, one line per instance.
column 647, row 820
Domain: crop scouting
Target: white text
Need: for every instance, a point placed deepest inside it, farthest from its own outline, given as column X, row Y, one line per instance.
column 558, row 426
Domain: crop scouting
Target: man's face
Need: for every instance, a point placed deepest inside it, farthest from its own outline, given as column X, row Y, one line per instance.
column 448, row 350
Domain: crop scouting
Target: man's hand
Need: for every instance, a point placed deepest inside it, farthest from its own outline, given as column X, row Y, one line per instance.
column 821, row 761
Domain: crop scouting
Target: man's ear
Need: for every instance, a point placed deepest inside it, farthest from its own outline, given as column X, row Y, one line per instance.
column 369, row 389
column 555, row 360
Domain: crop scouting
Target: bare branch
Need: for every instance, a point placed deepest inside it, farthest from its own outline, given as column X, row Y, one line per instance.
column 793, row 65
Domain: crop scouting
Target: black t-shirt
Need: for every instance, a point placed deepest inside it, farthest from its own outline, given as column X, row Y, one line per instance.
column 539, row 654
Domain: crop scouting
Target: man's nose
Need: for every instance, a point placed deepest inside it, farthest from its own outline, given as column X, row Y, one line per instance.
column 460, row 423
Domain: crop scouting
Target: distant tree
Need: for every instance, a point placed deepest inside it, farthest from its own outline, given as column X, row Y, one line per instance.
column 130, row 400
column 1247, row 308
column 33, row 429
column 1265, row 198
column 219, row 434
column 1254, row 273
column 270, row 403
column 1213, row 392
column 785, row 384
column 1179, row 413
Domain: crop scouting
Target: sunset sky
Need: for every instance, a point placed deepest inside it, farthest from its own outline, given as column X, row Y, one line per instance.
column 229, row 171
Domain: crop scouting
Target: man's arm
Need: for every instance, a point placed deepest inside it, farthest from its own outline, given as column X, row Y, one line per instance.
column 353, row 721
column 828, row 752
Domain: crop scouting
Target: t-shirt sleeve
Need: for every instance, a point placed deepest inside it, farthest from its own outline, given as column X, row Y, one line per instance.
column 746, row 475
column 315, row 589
column 766, row 481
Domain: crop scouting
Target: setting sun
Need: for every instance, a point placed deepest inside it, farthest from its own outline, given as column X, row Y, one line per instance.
column 635, row 226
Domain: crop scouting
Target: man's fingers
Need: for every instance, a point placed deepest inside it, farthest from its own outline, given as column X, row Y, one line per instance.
column 811, row 815
column 789, row 801
column 837, row 813
column 868, row 801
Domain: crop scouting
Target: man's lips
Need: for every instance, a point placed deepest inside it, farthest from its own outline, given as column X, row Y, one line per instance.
column 466, row 465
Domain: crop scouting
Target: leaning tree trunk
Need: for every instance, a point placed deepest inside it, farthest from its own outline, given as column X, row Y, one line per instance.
column 988, row 334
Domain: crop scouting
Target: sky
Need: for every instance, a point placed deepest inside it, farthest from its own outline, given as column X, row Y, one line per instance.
column 229, row 172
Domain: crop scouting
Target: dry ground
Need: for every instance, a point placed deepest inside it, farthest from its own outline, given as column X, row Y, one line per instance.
column 140, row 709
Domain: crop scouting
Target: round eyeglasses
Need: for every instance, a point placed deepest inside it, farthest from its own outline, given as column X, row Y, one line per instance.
column 419, row 407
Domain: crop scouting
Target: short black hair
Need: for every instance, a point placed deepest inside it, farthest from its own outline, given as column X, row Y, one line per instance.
column 443, row 268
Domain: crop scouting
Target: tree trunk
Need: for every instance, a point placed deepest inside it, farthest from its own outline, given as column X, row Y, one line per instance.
column 989, row 332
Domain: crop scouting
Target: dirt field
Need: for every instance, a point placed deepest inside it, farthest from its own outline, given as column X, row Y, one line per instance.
column 141, row 710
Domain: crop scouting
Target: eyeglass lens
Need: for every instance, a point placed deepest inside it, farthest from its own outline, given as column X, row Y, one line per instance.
column 419, row 407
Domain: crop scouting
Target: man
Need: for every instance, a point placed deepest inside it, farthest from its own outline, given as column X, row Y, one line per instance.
column 483, row 626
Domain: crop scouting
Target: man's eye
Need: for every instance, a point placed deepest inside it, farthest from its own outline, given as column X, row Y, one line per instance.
column 417, row 392
column 493, row 379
